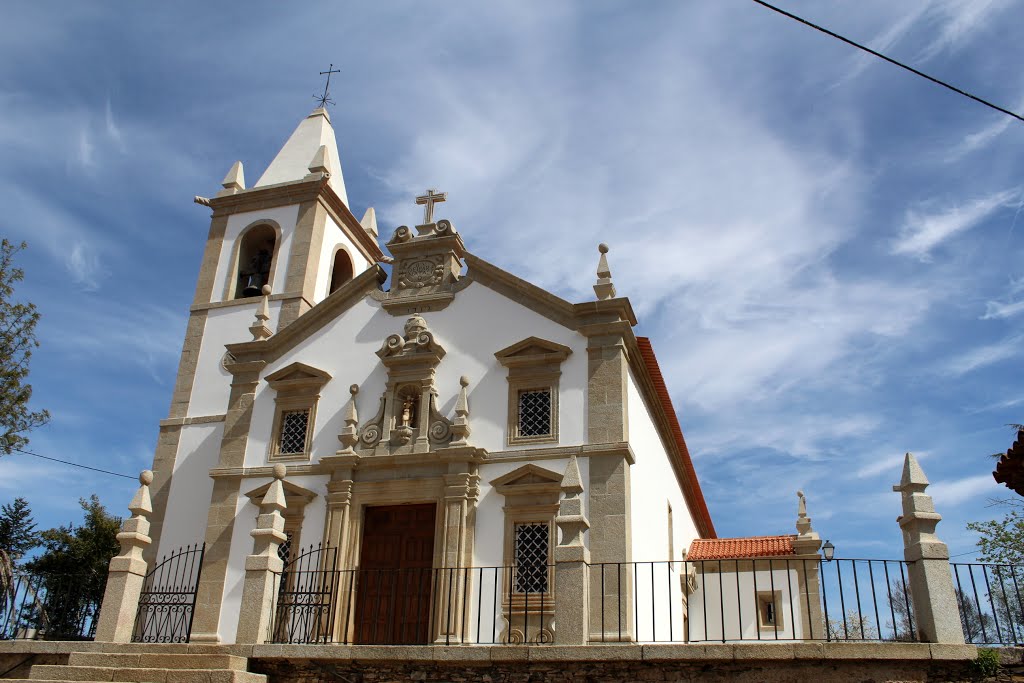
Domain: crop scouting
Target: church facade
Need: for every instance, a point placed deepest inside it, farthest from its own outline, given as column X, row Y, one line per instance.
column 426, row 419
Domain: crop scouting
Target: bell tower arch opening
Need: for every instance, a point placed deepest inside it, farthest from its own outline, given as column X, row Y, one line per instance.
column 256, row 250
column 341, row 270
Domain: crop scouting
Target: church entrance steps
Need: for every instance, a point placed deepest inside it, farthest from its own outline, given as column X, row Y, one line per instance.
column 147, row 666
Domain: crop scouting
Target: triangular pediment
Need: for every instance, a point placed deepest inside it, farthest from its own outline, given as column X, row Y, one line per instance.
column 528, row 479
column 295, row 496
column 533, row 350
column 297, row 376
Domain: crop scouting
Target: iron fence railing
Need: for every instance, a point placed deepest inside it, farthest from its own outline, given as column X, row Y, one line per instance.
column 991, row 602
column 168, row 597
column 479, row 605
column 37, row 606
column 755, row 599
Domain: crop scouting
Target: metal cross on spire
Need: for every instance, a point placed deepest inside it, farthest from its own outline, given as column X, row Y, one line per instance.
column 325, row 99
column 430, row 198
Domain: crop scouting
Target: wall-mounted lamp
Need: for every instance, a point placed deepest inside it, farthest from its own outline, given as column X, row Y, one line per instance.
column 828, row 550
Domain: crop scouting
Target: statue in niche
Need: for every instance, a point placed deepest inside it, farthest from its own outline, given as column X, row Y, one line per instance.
column 408, row 415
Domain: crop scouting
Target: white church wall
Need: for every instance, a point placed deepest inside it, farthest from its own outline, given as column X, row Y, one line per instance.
column 476, row 325
column 658, row 613
column 725, row 604
column 654, row 489
column 191, row 487
column 285, row 216
column 335, row 238
column 212, row 385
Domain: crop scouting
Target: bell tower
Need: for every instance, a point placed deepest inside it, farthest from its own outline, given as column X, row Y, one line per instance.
column 294, row 231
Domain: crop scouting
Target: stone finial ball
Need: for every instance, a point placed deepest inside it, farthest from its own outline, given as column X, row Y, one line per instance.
column 146, row 477
column 279, row 471
column 799, row 494
column 266, row 290
column 354, row 389
column 603, row 248
column 464, row 381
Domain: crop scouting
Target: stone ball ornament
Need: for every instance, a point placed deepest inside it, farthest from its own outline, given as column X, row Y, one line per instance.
column 279, row 471
column 464, row 381
column 266, row 290
column 146, row 477
column 603, row 248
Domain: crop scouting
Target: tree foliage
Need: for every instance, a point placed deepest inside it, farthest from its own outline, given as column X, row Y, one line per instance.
column 73, row 566
column 1001, row 541
column 17, row 339
column 18, row 532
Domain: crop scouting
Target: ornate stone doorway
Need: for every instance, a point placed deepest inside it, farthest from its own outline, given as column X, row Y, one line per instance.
column 395, row 578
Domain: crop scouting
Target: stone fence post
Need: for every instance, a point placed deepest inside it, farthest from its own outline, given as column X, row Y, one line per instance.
column 127, row 570
column 263, row 567
column 936, row 612
column 572, row 563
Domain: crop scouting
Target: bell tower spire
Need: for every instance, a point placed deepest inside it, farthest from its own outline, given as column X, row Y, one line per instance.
column 297, row 156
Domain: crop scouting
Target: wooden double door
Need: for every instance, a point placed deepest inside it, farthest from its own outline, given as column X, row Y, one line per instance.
column 395, row 578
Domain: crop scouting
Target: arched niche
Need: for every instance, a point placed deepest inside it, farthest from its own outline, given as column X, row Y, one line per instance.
column 341, row 270
column 253, row 264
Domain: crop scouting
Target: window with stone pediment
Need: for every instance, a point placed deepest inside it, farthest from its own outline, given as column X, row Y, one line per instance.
column 297, row 393
column 534, row 368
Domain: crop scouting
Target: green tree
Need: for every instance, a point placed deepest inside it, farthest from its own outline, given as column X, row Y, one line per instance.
column 1001, row 541
column 17, row 339
column 73, row 566
column 18, row 532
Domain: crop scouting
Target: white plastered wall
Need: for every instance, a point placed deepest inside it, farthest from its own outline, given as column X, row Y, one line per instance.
column 477, row 323
column 724, row 607
column 654, row 487
column 335, row 238
column 285, row 216
column 191, row 487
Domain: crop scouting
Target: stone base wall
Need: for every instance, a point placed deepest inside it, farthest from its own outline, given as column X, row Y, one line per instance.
column 760, row 662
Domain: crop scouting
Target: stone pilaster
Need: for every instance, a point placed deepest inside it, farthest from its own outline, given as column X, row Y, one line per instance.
column 303, row 261
column 931, row 582
column 572, row 559
column 220, row 522
column 610, row 543
column 461, row 491
column 263, row 567
column 127, row 571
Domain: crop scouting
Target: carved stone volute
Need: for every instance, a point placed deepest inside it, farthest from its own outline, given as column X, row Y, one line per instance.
column 407, row 420
column 427, row 268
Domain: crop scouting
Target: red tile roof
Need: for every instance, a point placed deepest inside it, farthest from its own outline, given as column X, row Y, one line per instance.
column 732, row 548
column 1010, row 468
column 691, row 487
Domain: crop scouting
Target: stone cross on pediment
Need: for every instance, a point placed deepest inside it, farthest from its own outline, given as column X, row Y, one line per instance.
column 429, row 199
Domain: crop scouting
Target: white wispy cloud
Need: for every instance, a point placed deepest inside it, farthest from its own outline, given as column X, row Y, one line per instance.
column 983, row 356
column 957, row 491
column 923, row 230
column 960, row 21
column 86, row 150
column 113, row 130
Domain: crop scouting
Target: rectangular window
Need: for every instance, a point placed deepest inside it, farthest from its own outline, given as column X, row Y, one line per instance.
column 535, row 412
column 531, row 558
column 769, row 605
column 294, row 427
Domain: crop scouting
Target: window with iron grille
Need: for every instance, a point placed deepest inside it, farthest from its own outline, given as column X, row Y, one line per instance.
column 531, row 558
column 535, row 412
column 294, row 425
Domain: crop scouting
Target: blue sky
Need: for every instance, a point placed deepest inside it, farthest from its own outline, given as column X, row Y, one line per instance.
column 824, row 249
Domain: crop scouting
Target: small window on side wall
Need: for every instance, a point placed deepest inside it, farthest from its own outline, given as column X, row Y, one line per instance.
column 769, row 610
column 341, row 270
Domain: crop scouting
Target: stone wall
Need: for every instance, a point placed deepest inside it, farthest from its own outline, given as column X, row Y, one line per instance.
column 818, row 662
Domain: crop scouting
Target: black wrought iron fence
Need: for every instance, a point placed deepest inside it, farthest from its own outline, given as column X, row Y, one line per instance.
column 991, row 602
column 480, row 605
column 763, row 599
column 168, row 598
column 50, row 606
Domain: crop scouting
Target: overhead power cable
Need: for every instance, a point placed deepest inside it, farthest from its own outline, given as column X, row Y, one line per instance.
column 878, row 54
column 75, row 464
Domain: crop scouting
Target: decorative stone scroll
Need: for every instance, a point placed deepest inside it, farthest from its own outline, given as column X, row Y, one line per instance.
column 407, row 420
column 427, row 270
